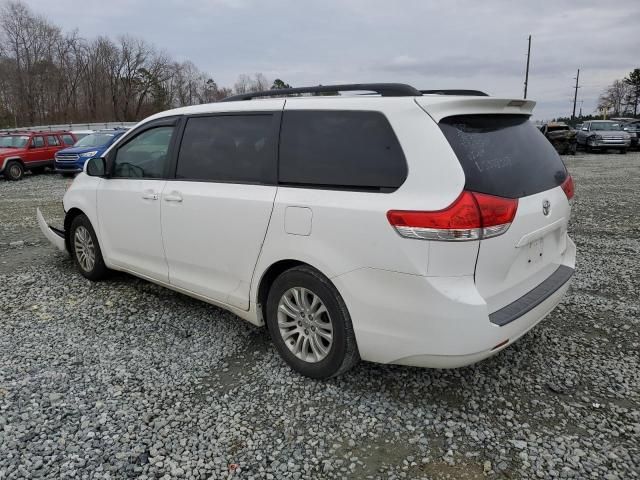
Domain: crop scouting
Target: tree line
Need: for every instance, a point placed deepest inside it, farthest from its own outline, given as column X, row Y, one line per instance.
column 622, row 97
column 48, row 76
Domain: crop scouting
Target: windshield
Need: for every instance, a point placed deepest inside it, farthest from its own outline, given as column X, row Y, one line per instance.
column 94, row 140
column 558, row 128
column 18, row 141
column 610, row 126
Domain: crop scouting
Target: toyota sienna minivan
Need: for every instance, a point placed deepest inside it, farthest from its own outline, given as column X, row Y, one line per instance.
column 424, row 228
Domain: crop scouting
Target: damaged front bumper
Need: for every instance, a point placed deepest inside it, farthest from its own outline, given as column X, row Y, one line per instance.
column 54, row 235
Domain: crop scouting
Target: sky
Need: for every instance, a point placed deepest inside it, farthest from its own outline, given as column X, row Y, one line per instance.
column 475, row 44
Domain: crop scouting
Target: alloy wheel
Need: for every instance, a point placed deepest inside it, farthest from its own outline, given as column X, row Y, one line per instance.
column 305, row 325
column 84, row 248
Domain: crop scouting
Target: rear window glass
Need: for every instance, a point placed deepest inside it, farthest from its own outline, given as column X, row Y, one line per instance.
column 503, row 155
column 340, row 149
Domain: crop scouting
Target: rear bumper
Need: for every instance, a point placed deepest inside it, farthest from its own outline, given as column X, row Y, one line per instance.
column 436, row 322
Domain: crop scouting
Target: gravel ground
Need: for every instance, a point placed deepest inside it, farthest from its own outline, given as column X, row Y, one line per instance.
column 126, row 379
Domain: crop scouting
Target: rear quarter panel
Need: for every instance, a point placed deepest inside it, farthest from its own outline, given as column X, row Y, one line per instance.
column 349, row 230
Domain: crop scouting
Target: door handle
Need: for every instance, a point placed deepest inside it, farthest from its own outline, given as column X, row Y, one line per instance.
column 173, row 197
column 149, row 195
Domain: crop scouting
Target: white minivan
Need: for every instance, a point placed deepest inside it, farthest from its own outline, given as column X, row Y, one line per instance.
column 424, row 228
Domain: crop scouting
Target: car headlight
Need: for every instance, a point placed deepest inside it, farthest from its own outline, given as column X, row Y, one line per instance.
column 93, row 153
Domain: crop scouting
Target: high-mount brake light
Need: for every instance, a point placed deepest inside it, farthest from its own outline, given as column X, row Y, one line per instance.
column 568, row 187
column 473, row 216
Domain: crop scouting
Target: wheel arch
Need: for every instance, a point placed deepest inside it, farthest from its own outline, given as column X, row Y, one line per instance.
column 269, row 276
column 8, row 160
column 68, row 220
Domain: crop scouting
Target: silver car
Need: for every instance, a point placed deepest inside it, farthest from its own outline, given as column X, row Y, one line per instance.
column 603, row 135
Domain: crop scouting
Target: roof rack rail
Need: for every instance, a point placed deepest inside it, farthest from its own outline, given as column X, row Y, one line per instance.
column 384, row 89
column 465, row 93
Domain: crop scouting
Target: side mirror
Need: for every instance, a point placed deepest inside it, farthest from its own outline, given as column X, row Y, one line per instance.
column 95, row 167
column 32, row 146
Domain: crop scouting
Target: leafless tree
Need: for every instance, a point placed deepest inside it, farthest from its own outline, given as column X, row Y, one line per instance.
column 49, row 76
column 612, row 100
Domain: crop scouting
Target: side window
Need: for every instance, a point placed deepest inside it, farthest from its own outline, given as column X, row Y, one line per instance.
column 340, row 149
column 53, row 141
column 68, row 139
column 37, row 142
column 229, row 148
column 145, row 156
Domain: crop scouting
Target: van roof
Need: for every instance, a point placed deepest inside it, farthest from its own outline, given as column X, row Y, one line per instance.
column 438, row 103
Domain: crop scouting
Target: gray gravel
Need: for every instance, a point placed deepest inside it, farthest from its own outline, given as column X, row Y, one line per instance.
column 126, row 379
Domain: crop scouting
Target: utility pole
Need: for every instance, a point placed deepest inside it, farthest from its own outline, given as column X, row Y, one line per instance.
column 526, row 75
column 575, row 96
column 580, row 114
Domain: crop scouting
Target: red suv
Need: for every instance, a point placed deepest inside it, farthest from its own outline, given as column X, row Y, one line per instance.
column 20, row 151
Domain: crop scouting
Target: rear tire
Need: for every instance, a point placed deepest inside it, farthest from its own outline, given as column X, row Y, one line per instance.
column 310, row 325
column 85, row 249
column 14, row 170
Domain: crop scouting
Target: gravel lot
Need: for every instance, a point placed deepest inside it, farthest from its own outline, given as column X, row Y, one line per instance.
column 126, row 379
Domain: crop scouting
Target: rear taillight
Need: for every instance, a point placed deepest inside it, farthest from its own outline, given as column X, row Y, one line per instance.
column 472, row 216
column 568, row 187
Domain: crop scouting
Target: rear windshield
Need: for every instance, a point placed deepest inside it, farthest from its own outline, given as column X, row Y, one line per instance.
column 503, row 155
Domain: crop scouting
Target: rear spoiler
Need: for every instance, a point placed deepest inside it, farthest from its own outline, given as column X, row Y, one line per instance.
column 439, row 107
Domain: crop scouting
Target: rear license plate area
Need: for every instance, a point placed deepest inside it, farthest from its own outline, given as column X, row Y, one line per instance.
column 535, row 252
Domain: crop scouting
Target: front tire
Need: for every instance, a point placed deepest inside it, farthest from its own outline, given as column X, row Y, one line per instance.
column 85, row 249
column 14, row 171
column 310, row 325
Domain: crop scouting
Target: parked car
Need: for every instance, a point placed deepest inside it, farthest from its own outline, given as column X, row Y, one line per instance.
column 561, row 136
column 603, row 135
column 71, row 160
column 20, row 151
column 633, row 129
column 396, row 228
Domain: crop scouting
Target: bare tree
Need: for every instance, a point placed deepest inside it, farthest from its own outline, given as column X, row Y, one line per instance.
column 49, row 76
column 612, row 100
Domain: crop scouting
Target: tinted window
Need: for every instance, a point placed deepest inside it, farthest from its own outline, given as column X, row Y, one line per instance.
column 52, row 141
column 145, row 156
column 68, row 139
column 503, row 155
column 340, row 149
column 229, row 148
column 38, row 142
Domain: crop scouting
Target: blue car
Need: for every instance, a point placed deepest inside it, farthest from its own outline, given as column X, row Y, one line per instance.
column 70, row 161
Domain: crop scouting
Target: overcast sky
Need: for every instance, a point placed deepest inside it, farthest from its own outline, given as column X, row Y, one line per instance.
column 478, row 44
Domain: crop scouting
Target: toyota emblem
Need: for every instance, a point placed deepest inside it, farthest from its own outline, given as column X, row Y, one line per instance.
column 546, row 207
